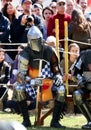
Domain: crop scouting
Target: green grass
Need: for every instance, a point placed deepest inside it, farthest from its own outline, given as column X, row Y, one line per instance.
column 72, row 122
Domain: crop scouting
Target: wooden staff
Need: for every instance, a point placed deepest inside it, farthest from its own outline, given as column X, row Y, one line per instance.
column 66, row 53
column 57, row 37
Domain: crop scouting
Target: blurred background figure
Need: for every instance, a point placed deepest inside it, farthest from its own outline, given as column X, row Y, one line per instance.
column 21, row 25
column 9, row 11
column 46, row 14
column 88, row 16
column 5, row 69
column 19, row 9
column 4, row 29
column 3, row 2
column 79, row 29
column 51, row 41
column 37, row 9
column 62, row 16
column 46, row 3
column 15, row 65
column 13, row 125
column 70, row 6
column 83, row 4
column 39, row 1
column 53, row 6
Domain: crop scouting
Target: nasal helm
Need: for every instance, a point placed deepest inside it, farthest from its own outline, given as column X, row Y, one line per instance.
column 35, row 39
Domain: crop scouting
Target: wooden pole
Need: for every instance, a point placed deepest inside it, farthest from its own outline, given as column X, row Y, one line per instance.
column 57, row 37
column 66, row 53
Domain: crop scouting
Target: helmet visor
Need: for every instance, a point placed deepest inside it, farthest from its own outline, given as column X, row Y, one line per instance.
column 36, row 44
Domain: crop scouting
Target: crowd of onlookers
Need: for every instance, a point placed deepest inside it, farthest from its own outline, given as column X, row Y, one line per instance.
column 16, row 21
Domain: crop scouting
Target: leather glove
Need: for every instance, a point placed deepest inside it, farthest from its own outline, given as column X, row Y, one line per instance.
column 58, row 80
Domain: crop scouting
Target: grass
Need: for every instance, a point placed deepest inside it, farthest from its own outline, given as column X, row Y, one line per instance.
column 72, row 122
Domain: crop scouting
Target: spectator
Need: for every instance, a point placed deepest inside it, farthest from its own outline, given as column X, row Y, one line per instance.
column 21, row 25
column 51, row 41
column 53, row 6
column 4, row 75
column 77, row 6
column 12, row 103
column 19, row 9
column 46, row 13
column 61, row 16
column 74, row 52
column 4, row 67
column 3, row 2
column 83, row 4
column 10, row 12
column 13, row 78
column 37, row 9
column 70, row 6
column 4, row 30
column 79, row 29
column 46, row 3
column 8, row 59
column 39, row 1
column 88, row 16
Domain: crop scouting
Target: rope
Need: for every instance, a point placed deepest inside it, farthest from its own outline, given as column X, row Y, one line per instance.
column 84, row 43
column 13, row 85
column 66, row 52
column 59, row 48
column 13, row 44
column 11, row 49
column 59, row 40
column 5, row 84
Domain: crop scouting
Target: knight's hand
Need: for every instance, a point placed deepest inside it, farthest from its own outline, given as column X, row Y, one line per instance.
column 20, row 78
column 27, row 79
column 39, row 81
column 81, row 83
column 58, row 80
column 36, row 81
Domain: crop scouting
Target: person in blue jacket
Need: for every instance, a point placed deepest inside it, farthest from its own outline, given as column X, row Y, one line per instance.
column 4, row 29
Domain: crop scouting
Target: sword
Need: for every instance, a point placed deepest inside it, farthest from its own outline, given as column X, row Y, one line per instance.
column 38, row 89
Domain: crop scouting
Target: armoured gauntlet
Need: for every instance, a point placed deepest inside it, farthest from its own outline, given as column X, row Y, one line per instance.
column 58, row 80
column 81, row 81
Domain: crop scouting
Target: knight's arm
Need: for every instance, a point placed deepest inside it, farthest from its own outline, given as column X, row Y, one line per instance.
column 22, row 67
column 55, row 69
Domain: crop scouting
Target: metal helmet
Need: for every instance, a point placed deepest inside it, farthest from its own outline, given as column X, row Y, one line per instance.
column 35, row 39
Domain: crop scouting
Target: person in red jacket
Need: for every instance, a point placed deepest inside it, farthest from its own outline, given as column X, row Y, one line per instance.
column 61, row 16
